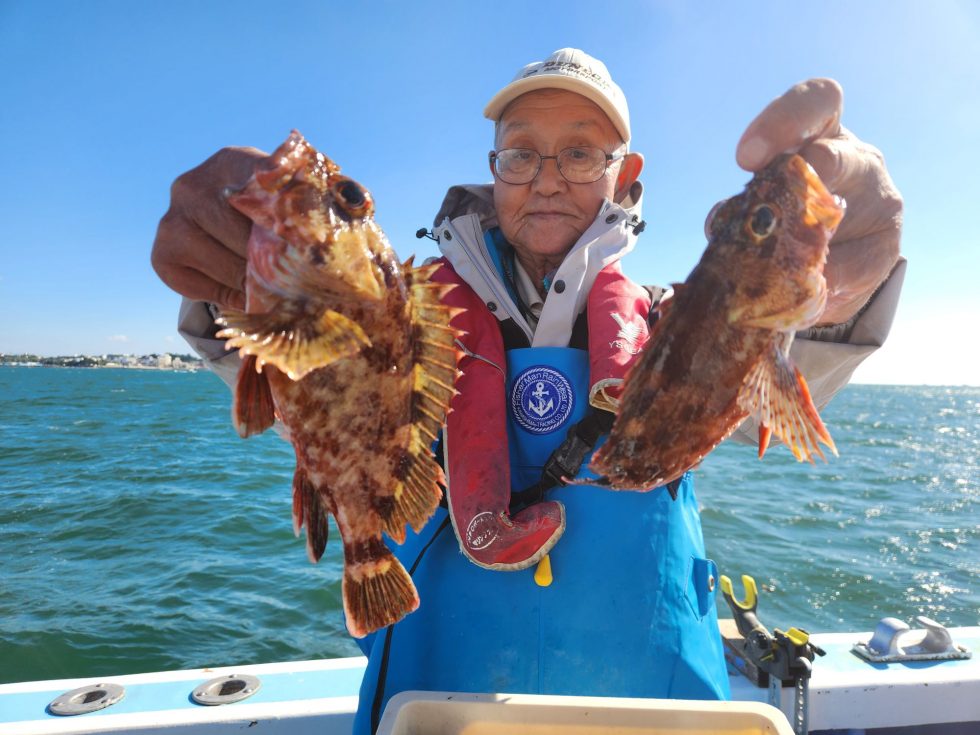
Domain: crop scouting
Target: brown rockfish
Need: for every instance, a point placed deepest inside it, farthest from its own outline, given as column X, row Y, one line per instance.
column 354, row 353
column 719, row 351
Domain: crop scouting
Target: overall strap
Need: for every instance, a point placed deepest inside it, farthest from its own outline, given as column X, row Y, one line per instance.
column 566, row 461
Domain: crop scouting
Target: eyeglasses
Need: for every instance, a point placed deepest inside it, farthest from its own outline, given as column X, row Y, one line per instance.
column 578, row 165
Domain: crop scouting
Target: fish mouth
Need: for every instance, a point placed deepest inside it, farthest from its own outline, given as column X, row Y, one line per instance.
column 821, row 207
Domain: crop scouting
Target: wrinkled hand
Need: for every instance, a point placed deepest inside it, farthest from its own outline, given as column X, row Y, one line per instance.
column 200, row 247
column 806, row 120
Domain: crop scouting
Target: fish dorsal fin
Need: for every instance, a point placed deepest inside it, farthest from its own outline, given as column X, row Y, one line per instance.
column 293, row 338
column 252, row 409
column 776, row 393
column 418, row 491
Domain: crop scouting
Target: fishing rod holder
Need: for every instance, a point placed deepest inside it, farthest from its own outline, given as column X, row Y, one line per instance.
column 777, row 659
column 89, row 698
column 226, row 689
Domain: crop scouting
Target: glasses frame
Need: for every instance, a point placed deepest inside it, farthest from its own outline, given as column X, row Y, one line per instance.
column 610, row 159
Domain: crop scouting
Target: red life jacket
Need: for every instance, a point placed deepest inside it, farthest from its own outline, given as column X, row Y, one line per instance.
column 476, row 445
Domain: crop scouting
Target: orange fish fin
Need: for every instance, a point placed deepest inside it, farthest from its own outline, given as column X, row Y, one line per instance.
column 309, row 512
column 777, row 394
column 377, row 589
column 294, row 340
column 252, row 409
column 765, row 434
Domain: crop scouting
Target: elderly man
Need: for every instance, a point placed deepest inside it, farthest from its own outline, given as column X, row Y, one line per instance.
column 625, row 606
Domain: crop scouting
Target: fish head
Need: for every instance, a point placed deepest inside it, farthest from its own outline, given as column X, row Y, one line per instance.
column 769, row 245
column 317, row 233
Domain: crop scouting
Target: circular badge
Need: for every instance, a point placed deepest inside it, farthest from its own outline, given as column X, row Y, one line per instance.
column 541, row 399
column 481, row 531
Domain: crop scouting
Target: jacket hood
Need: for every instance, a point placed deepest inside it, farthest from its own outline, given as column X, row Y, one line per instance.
column 467, row 212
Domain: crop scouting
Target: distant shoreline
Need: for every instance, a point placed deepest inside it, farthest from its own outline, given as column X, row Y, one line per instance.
column 164, row 361
column 182, row 369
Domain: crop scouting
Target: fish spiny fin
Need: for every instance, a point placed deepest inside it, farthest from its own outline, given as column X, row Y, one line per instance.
column 377, row 590
column 310, row 512
column 295, row 340
column 777, row 394
column 418, row 489
column 252, row 409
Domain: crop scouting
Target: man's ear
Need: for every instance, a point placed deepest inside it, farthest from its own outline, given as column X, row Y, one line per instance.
column 629, row 172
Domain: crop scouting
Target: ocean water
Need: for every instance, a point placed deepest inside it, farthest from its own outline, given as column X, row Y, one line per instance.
column 139, row 533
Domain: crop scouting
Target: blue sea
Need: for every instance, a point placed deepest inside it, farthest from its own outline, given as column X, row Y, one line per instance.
column 139, row 533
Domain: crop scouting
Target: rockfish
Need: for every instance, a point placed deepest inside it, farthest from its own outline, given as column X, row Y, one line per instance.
column 719, row 351
column 354, row 353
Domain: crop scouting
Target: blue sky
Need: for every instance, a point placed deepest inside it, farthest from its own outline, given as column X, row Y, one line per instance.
column 103, row 104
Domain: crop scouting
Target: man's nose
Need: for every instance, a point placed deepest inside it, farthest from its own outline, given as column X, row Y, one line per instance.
column 549, row 179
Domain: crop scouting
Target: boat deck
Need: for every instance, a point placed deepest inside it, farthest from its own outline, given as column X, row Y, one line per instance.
column 846, row 693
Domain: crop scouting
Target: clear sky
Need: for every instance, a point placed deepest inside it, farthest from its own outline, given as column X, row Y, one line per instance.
column 103, row 104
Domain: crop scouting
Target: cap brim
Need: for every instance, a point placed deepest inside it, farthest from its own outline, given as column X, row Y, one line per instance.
column 495, row 108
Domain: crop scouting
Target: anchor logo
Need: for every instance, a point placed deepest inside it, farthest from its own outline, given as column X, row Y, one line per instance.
column 540, row 407
column 541, row 399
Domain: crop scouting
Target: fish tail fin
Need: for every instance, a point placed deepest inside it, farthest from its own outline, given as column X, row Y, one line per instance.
column 292, row 338
column 310, row 512
column 252, row 408
column 776, row 392
column 377, row 590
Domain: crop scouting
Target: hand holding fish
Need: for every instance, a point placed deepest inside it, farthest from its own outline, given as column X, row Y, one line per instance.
column 807, row 120
column 200, row 246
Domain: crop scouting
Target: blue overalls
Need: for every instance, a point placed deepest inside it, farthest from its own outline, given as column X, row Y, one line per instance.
column 630, row 612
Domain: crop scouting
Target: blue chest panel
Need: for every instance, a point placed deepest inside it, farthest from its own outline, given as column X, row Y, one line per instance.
column 547, row 393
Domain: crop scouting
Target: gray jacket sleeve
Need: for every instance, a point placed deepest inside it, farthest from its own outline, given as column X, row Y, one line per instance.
column 195, row 323
column 828, row 356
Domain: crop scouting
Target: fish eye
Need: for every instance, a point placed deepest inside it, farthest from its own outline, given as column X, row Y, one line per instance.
column 763, row 221
column 352, row 197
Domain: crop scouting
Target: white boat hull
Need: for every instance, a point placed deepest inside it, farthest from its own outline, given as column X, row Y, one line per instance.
column 846, row 693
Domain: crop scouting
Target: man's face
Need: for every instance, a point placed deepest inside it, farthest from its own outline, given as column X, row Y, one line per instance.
column 544, row 219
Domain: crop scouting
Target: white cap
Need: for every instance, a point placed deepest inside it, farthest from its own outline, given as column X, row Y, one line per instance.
column 575, row 71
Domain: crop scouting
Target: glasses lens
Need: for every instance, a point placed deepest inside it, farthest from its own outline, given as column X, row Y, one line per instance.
column 582, row 164
column 517, row 165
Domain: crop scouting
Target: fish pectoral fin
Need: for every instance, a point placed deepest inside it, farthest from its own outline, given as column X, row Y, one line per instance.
column 295, row 340
column 776, row 393
column 310, row 512
column 252, row 409
column 765, row 434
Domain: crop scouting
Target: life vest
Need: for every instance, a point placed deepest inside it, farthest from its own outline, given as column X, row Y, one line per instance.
column 477, row 427
column 630, row 611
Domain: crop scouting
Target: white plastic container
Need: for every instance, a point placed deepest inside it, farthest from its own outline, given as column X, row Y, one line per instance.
column 447, row 713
